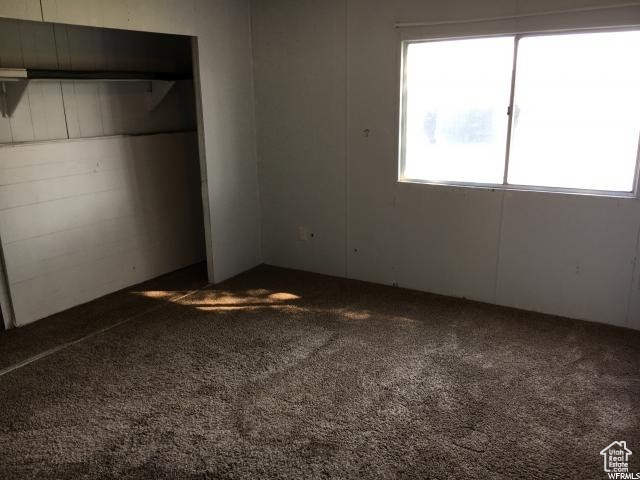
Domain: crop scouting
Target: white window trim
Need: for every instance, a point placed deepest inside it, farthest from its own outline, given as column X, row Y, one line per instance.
column 617, row 18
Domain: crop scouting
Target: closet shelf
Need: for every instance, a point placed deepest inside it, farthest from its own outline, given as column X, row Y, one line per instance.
column 21, row 74
column 14, row 81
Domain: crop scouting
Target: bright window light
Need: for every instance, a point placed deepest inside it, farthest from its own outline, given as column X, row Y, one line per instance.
column 574, row 122
column 576, row 117
column 457, row 93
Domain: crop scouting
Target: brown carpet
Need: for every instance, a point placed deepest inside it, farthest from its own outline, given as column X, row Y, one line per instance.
column 283, row 374
column 19, row 344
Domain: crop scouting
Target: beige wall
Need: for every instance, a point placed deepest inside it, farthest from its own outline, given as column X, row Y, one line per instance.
column 326, row 72
column 21, row 9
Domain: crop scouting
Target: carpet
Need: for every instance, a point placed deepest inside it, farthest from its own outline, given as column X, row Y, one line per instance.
column 280, row 374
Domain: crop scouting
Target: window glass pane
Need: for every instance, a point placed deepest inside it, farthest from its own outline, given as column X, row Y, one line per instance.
column 577, row 111
column 455, row 124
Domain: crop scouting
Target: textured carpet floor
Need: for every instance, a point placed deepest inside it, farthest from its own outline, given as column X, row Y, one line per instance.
column 19, row 344
column 282, row 374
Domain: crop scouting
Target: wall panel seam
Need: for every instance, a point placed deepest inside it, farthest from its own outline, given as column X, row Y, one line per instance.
column 634, row 274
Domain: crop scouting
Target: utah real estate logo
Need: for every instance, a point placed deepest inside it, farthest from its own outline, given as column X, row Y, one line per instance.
column 616, row 461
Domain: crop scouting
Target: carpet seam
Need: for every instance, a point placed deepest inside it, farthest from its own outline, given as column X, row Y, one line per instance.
column 64, row 346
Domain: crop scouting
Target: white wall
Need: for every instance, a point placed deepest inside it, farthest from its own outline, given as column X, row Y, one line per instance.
column 326, row 72
column 56, row 110
column 225, row 80
column 98, row 215
column 300, row 72
column 164, row 16
column 83, row 218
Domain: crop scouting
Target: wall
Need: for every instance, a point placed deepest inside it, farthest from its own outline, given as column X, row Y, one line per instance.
column 105, row 204
column 228, row 127
column 225, row 82
column 21, row 9
column 83, row 218
column 327, row 91
column 179, row 17
column 56, row 110
column 300, row 72
column 226, row 118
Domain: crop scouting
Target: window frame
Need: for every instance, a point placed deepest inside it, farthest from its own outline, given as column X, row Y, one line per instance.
column 409, row 39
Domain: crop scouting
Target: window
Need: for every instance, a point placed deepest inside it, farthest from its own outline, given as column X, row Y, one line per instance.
column 539, row 111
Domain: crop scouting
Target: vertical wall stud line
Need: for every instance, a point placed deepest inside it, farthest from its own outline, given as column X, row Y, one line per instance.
column 634, row 273
column 27, row 93
column 64, row 110
column 634, row 277
column 64, row 107
column 75, row 92
column 255, row 129
column 499, row 247
column 347, row 243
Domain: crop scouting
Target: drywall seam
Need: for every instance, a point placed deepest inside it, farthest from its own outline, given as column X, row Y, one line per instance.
column 254, row 96
column 634, row 274
column 347, row 143
column 496, row 277
column 55, row 43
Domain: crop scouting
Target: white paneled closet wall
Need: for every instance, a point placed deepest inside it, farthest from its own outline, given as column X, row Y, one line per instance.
column 79, row 109
column 97, row 190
